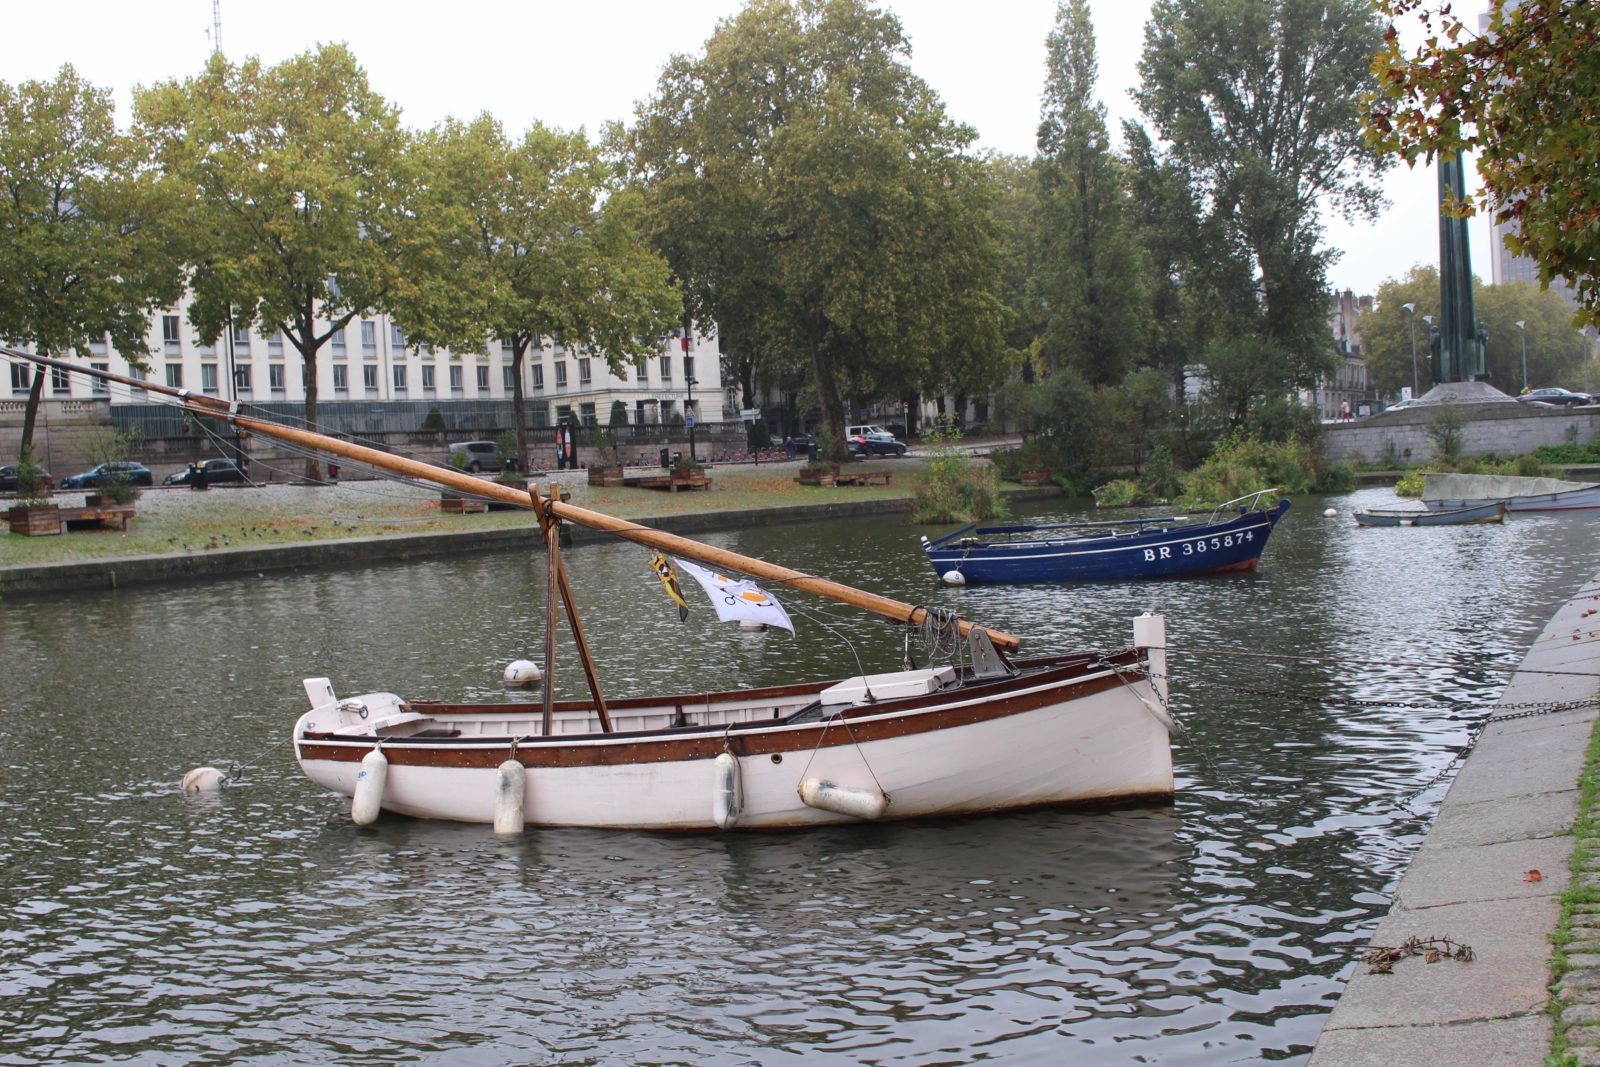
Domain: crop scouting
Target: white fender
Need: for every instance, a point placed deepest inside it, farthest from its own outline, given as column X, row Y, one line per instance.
column 727, row 792
column 373, row 776
column 953, row 578
column 510, row 785
column 204, row 780
column 858, row 803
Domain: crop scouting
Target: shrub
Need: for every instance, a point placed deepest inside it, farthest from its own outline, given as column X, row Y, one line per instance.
column 1120, row 493
column 956, row 489
column 434, row 420
column 1410, row 484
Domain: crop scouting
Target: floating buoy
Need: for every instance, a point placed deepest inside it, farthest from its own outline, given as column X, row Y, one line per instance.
column 522, row 672
column 204, row 780
column 368, row 799
column 1330, row 513
column 953, row 578
column 858, row 803
column 727, row 794
column 510, row 787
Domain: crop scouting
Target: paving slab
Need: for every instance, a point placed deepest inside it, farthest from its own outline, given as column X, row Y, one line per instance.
column 1497, row 872
column 1500, row 1041
column 1496, row 821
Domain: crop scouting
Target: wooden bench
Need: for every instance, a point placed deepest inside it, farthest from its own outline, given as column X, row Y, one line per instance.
column 117, row 516
column 670, row 482
column 863, row 478
column 460, row 505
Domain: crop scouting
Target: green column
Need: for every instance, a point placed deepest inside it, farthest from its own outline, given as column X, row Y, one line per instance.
column 1458, row 355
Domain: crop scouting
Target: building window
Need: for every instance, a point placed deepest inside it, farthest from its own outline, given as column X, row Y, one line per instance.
column 241, row 379
column 369, row 379
column 337, row 341
column 241, row 337
column 561, row 374
column 397, row 337
column 138, row 375
column 506, row 349
column 455, row 379
column 174, row 375
column 538, row 375
column 427, row 377
column 584, row 377
column 666, row 368
column 208, row 378
column 640, row 373
column 341, row 378
column 399, row 378
column 483, row 379
column 169, row 335
column 98, row 345
column 688, row 368
column 563, row 414
column 275, row 346
column 586, row 413
column 369, row 338
column 20, row 378
column 508, row 378
column 275, row 377
column 97, row 386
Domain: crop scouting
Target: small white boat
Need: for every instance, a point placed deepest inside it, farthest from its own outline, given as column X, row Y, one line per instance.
column 984, row 733
column 1492, row 512
column 1444, row 492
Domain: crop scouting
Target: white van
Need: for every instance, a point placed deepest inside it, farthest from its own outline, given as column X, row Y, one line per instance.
column 873, row 440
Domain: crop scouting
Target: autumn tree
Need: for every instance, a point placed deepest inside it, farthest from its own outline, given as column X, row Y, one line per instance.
column 526, row 240
column 82, row 256
column 1260, row 101
column 1524, row 98
column 298, row 180
column 816, row 200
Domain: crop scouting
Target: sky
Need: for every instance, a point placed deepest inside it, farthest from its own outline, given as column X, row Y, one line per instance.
column 572, row 63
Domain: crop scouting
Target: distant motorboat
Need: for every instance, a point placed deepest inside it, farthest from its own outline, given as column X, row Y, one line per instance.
column 1167, row 547
column 1447, row 492
column 1494, row 511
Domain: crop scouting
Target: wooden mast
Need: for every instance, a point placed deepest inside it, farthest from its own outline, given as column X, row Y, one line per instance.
column 557, row 582
column 644, row 535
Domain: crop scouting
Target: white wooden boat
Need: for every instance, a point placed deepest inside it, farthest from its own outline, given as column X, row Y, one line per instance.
column 1445, row 492
column 1491, row 512
column 987, row 733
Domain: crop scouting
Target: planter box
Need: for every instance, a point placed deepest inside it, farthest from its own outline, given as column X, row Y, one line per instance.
column 605, row 476
column 40, row 520
column 818, row 477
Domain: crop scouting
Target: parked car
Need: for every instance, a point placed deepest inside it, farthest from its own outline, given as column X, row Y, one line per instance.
column 476, row 456
column 217, row 472
column 127, row 470
column 9, row 478
column 873, row 441
column 1553, row 395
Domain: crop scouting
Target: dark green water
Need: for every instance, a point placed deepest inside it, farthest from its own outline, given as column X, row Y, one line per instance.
column 260, row 926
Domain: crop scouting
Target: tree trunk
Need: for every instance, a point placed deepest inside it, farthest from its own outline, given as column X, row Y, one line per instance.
column 828, row 399
column 519, row 350
column 30, row 412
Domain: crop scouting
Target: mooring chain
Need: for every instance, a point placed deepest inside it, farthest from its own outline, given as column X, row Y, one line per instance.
column 1522, row 709
column 1123, row 674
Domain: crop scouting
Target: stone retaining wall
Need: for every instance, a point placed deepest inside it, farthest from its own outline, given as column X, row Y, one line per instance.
column 1400, row 438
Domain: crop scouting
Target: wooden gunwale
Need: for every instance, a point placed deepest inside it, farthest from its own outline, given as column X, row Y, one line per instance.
column 889, row 719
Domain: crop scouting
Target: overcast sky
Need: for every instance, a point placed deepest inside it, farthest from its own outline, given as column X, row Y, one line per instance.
column 573, row 63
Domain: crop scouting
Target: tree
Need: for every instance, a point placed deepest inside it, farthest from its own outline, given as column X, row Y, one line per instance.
column 298, row 182
column 1525, row 97
column 530, row 240
column 81, row 255
column 1090, row 272
column 1260, row 102
column 816, row 201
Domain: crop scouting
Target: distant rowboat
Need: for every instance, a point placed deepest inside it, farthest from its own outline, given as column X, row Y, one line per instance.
column 1495, row 511
column 1446, row 492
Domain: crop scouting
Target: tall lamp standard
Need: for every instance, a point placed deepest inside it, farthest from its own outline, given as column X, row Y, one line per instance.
column 1432, row 330
column 690, row 419
column 1413, row 309
column 1523, row 326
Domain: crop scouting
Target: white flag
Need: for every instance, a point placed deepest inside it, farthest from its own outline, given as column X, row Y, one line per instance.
column 737, row 599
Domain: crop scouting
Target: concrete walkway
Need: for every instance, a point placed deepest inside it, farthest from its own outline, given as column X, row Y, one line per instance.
column 1507, row 815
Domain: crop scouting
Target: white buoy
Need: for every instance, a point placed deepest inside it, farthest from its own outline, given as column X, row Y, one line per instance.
column 858, row 803
column 522, row 672
column 370, row 780
column 953, row 578
column 1330, row 513
column 727, row 794
column 510, row 786
column 204, row 780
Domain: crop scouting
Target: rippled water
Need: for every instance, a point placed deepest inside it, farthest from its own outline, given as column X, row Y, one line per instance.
column 261, row 926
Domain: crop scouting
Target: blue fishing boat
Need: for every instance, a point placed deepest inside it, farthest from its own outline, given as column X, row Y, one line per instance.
column 1174, row 546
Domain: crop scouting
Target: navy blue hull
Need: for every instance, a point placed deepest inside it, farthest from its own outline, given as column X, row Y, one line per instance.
column 1175, row 551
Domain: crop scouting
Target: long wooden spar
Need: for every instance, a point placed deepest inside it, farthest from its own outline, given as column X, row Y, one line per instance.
column 211, row 407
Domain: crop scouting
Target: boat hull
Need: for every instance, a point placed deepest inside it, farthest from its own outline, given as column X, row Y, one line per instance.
column 1058, row 736
column 1489, row 512
column 1183, row 551
column 1446, row 492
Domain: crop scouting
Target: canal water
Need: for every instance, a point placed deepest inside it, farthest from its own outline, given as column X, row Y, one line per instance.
column 1326, row 696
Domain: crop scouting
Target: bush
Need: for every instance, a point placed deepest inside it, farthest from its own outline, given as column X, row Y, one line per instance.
column 956, row 488
column 434, row 420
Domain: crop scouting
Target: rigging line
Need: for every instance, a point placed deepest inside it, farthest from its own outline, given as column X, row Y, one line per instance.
column 1200, row 651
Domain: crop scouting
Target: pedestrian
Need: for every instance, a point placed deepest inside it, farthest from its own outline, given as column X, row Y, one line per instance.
column 1344, row 411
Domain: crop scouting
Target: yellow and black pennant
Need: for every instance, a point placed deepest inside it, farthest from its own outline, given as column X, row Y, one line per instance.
column 669, row 581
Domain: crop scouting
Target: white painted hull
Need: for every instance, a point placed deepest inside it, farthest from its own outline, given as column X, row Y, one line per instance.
column 1096, row 737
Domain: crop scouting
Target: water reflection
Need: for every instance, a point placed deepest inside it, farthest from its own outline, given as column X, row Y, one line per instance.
column 143, row 926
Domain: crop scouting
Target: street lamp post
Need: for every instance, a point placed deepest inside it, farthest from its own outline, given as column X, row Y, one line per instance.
column 1413, row 309
column 1523, row 326
column 1431, row 331
column 690, row 419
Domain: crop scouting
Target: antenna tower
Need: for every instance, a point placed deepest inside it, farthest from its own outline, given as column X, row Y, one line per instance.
column 216, row 25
